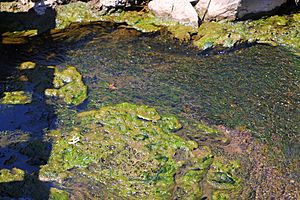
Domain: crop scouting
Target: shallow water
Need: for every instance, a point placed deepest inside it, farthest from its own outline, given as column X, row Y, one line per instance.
column 254, row 88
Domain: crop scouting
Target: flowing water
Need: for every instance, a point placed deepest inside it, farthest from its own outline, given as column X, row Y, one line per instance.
column 254, row 88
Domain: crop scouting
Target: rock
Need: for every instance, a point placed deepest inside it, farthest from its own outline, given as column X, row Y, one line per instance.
column 181, row 11
column 234, row 9
column 110, row 5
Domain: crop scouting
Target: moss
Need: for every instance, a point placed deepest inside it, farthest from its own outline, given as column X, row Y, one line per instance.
column 169, row 124
column 273, row 30
column 69, row 86
column 16, row 97
column 11, row 175
column 27, row 65
column 219, row 195
column 56, row 194
column 74, row 12
column 132, row 150
column 181, row 32
column 223, row 176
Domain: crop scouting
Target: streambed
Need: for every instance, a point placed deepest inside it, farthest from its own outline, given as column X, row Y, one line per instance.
column 250, row 93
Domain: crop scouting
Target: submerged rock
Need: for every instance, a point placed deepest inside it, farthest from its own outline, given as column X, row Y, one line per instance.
column 233, row 9
column 179, row 10
column 68, row 86
column 132, row 151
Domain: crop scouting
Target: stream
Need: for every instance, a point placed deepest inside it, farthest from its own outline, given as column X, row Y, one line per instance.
column 253, row 89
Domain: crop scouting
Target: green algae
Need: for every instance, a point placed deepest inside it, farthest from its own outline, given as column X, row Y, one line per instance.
column 73, row 13
column 56, row 194
column 69, row 86
column 219, row 195
column 14, row 174
column 272, row 30
column 223, row 175
column 132, row 150
column 27, row 65
column 16, row 97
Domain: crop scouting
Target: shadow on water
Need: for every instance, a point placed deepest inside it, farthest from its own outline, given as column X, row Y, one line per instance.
column 20, row 21
column 31, row 119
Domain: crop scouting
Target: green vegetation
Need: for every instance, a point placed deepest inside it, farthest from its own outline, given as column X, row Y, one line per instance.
column 27, row 65
column 16, row 97
column 11, row 175
column 56, row 194
column 273, row 30
column 133, row 151
column 69, row 86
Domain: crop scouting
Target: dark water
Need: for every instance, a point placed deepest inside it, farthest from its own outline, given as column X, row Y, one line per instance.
column 254, row 88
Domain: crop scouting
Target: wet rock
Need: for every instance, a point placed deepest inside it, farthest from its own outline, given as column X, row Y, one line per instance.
column 233, row 9
column 178, row 10
column 68, row 86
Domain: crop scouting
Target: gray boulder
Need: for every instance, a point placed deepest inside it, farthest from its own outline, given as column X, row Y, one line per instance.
column 181, row 11
column 234, row 9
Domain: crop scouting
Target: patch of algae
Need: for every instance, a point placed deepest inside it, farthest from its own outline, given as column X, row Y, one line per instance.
column 27, row 65
column 69, row 86
column 273, row 30
column 133, row 151
column 74, row 12
column 56, row 194
column 16, row 97
column 14, row 174
column 219, row 195
column 221, row 174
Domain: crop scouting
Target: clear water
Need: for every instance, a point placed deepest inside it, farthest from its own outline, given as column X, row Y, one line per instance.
column 254, row 88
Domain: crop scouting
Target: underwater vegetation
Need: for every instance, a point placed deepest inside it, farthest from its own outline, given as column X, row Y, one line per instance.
column 68, row 86
column 135, row 153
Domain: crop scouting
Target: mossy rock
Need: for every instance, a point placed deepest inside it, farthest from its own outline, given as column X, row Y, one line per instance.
column 7, row 175
column 69, row 86
column 16, row 97
column 272, row 30
column 133, row 151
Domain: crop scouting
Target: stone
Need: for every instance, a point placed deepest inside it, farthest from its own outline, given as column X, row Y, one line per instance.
column 234, row 9
column 181, row 11
column 110, row 5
